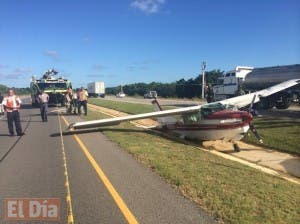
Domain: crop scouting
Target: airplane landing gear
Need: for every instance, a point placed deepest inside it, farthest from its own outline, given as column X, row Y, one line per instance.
column 236, row 147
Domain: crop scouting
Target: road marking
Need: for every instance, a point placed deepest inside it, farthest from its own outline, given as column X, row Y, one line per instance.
column 67, row 185
column 115, row 195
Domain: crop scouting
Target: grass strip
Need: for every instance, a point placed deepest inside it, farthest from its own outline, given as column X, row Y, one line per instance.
column 230, row 191
column 279, row 134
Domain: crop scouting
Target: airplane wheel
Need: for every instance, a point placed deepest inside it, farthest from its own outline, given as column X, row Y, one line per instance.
column 286, row 102
column 236, row 147
column 266, row 104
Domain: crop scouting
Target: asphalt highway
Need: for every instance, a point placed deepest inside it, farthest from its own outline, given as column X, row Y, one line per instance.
column 95, row 180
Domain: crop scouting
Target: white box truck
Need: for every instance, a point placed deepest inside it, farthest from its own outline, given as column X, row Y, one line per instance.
column 96, row 89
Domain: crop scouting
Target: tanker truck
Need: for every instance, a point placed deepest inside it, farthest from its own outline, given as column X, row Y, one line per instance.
column 56, row 87
column 244, row 80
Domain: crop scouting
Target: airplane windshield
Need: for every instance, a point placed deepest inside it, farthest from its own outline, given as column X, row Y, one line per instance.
column 208, row 109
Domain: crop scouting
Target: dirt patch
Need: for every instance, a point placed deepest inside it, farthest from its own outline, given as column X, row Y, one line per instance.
column 115, row 113
column 280, row 161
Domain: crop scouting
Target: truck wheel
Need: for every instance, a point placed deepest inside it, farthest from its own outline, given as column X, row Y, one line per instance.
column 284, row 104
column 266, row 104
column 63, row 103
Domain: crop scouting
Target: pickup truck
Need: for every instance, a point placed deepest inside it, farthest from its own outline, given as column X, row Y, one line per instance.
column 150, row 95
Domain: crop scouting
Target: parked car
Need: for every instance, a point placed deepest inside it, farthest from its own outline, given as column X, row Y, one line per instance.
column 120, row 95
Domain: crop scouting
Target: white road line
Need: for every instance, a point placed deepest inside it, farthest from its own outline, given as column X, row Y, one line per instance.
column 67, row 185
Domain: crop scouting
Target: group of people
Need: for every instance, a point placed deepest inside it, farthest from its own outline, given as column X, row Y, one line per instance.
column 11, row 104
column 76, row 100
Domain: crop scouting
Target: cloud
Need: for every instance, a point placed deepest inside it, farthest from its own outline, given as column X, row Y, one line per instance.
column 99, row 67
column 85, row 39
column 133, row 67
column 52, row 54
column 16, row 74
column 147, row 62
column 11, row 76
column 142, row 65
column 22, row 70
column 148, row 6
column 3, row 66
column 101, row 76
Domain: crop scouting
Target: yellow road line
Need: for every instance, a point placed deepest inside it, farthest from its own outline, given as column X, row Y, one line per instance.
column 117, row 198
column 67, row 185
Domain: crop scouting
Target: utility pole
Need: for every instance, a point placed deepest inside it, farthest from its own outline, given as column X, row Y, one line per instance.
column 203, row 79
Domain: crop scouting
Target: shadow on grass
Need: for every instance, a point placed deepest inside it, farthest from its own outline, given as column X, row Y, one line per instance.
column 93, row 130
column 155, row 132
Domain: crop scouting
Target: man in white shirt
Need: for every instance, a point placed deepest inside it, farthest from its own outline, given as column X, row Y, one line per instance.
column 44, row 99
column 12, row 104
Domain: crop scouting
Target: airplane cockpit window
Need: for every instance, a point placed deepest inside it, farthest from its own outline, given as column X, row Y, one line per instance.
column 208, row 109
column 190, row 118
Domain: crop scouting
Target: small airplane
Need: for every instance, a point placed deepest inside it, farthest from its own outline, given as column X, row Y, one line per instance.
column 222, row 120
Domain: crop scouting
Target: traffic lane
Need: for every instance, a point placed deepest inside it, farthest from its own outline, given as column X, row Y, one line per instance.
column 34, row 166
column 6, row 141
column 150, row 198
column 91, row 201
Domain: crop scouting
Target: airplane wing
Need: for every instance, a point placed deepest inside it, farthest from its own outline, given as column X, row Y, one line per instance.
column 244, row 100
column 239, row 102
column 118, row 120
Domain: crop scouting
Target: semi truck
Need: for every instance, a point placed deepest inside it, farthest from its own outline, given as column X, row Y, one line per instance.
column 96, row 89
column 56, row 87
column 244, row 80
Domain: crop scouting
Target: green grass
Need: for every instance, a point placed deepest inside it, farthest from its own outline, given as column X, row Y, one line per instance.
column 130, row 108
column 232, row 192
column 280, row 134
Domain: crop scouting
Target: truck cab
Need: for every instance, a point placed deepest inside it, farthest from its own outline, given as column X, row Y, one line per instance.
column 55, row 87
column 230, row 84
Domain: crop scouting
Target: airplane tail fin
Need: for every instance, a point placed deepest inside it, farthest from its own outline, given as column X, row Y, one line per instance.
column 162, row 120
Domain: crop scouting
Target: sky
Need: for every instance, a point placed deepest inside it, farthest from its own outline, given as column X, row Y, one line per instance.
column 127, row 41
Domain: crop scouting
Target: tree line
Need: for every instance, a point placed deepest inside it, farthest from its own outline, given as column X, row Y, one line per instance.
column 20, row 91
column 182, row 88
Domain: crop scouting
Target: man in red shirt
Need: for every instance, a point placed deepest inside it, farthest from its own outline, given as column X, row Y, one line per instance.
column 12, row 105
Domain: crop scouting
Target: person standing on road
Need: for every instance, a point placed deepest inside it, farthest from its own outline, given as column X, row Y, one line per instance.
column 44, row 99
column 69, row 99
column 83, row 97
column 75, row 102
column 12, row 104
column 1, row 107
